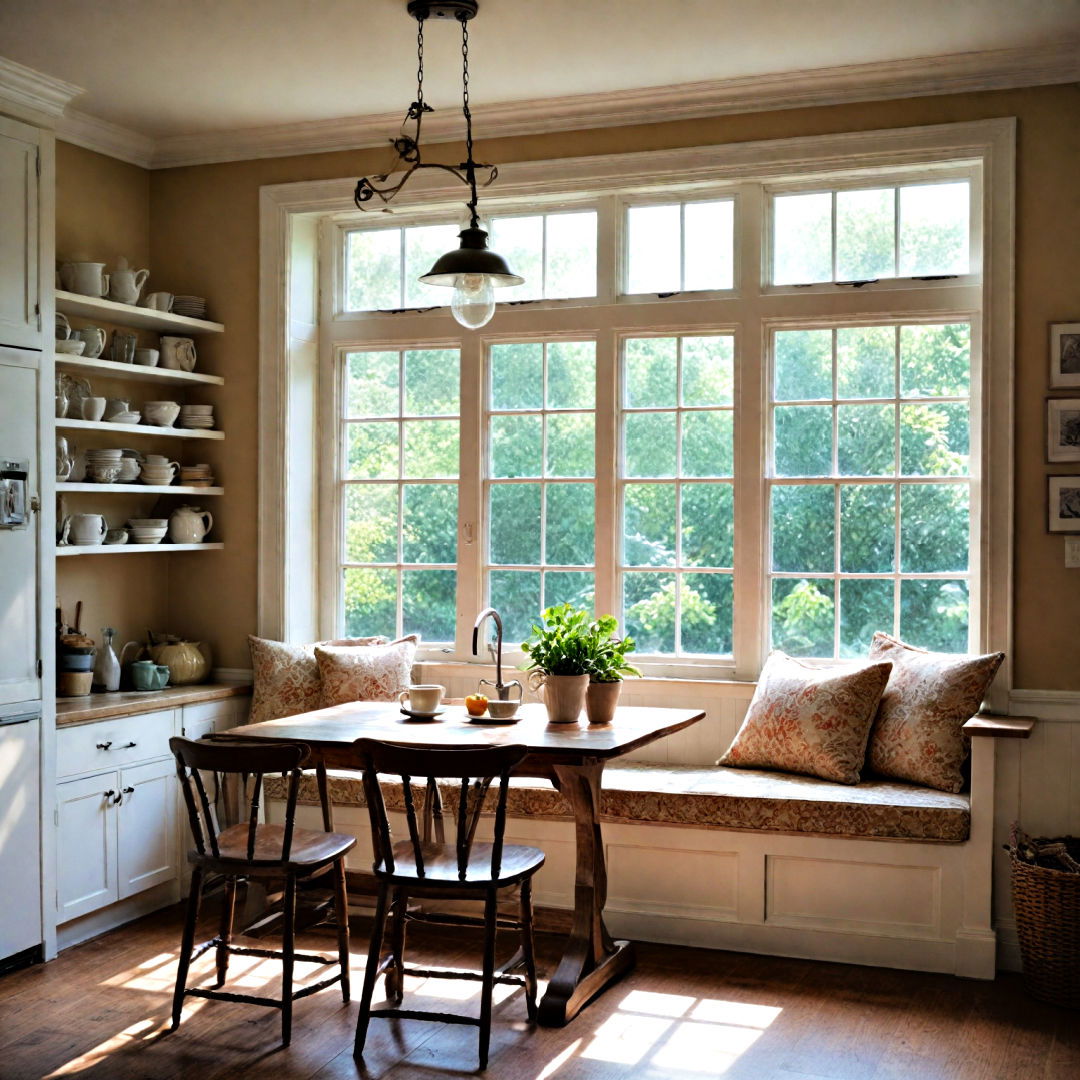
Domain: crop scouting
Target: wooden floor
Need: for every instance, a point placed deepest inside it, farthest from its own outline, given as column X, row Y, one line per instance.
column 683, row 1014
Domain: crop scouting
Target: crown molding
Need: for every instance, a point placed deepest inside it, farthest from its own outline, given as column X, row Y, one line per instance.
column 31, row 95
column 88, row 131
column 998, row 69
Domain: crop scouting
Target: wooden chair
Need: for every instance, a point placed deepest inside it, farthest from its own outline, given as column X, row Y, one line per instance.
column 426, row 867
column 252, row 850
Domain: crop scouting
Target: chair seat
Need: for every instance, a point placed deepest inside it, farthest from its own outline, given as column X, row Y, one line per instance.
column 441, row 865
column 310, row 849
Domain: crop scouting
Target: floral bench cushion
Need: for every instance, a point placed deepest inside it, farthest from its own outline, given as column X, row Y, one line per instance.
column 711, row 797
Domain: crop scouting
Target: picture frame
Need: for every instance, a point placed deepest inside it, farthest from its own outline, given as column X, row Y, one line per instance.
column 1062, row 429
column 1065, row 356
column 1063, row 504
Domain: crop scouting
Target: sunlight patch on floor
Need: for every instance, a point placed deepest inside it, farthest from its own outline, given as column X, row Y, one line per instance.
column 141, row 1029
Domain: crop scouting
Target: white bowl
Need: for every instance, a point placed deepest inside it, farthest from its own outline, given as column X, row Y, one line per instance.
column 127, row 418
column 148, row 523
column 160, row 413
column 69, row 347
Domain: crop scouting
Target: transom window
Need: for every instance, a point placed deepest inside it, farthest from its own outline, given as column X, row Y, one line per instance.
column 726, row 465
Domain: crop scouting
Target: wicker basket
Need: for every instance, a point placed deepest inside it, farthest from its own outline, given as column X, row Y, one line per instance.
column 1047, row 904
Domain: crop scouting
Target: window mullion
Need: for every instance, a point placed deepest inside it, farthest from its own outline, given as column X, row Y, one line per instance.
column 608, row 547
column 472, row 516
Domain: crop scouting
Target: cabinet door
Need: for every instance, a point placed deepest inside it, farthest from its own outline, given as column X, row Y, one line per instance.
column 19, row 319
column 86, row 845
column 146, row 826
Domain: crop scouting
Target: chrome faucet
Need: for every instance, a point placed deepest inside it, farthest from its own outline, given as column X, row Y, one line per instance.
column 502, row 690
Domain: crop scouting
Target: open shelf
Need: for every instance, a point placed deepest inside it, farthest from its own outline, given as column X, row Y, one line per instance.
column 99, row 366
column 139, row 429
column 138, row 489
column 133, row 549
column 94, row 307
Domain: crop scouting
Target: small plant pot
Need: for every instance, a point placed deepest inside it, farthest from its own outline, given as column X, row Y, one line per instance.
column 564, row 696
column 601, row 698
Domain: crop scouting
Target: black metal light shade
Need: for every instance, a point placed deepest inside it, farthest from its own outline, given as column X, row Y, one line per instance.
column 473, row 257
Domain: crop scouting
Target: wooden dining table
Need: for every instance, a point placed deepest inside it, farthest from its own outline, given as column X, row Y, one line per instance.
column 570, row 756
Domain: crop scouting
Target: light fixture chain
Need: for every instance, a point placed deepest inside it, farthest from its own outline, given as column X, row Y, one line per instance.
column 420, row 63
column 470, row 165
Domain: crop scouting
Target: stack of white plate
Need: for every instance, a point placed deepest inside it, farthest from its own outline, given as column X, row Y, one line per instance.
column 194, row 307
column 197, row 416
column 196, row 476
column 103, row 466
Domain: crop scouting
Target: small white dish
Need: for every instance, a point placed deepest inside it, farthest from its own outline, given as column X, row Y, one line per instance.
column 70, row 347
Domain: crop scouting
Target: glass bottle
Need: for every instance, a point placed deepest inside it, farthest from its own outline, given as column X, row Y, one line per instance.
column 106, row 667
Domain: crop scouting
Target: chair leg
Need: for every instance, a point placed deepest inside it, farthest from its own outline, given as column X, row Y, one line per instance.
column 372, row 970
column 527, row 952
column 187, row 943
column 287, row 947
column 395, row 975
column 491, row 915
column 341, row 906
column 228, row 909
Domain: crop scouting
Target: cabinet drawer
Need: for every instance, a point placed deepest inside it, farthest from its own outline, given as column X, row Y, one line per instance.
column 113, row 743
column 222, row 714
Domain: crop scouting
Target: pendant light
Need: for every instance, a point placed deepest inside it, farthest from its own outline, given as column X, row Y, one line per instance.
column 473, row 271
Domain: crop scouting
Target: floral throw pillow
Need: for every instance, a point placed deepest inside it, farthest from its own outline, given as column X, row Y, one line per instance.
column 809, row 720
column 917, row 735
column 378, row 673
column 286, row 677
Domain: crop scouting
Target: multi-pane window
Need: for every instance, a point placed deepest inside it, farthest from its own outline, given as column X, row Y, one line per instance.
column 399, row 502
column 554, row 253
column 583, row 446
column 541, row 469
column 906, row 230
column 681, row 246
column 871, row 489
column 677, row 505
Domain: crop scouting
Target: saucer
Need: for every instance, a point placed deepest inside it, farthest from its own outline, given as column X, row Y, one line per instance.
column 421, row 715
column 484, row 718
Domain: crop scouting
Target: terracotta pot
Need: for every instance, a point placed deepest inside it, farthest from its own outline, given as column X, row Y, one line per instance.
column 564, row 696
column 600, row 701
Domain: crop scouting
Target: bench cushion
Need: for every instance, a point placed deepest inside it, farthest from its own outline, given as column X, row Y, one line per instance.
column 711, row 797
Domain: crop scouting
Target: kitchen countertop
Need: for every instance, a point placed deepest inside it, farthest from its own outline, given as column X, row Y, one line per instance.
column 87, row 710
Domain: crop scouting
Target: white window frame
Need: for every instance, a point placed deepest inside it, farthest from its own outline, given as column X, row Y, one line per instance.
column 290, row 213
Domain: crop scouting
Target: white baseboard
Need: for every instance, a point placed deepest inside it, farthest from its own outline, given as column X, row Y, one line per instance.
column 98, row 922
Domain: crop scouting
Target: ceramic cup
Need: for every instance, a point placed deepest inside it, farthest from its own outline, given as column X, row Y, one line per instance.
column 422, row 699
column 178, row 353
column 159, row 301
column 115, row 406
column 116, row 536
column 86, row 529
column 147, row 357
column 502, row 710
column 146, row 675
column 93, row 408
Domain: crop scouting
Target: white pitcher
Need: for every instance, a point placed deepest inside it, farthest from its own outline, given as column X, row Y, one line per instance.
column 86, row 278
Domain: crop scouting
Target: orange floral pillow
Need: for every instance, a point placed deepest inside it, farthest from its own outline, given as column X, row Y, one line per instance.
column 286, row 677
column 917, row 734
column 811, row 720
column 378, row 673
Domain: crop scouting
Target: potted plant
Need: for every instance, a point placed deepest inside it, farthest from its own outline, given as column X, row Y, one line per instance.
column 559, row 657
column 608, row 668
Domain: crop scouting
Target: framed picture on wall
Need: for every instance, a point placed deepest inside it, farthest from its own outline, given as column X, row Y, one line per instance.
column 1063, row 429
column 1063, row 497
column 1064, row 355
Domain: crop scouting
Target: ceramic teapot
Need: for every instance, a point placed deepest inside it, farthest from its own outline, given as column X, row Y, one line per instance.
column 187, row 661
column 189, row 525
column 125, row 284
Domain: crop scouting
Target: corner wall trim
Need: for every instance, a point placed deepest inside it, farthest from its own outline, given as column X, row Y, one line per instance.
column 33, row 96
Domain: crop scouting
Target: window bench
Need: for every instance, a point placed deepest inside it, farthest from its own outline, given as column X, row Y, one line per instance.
column 881, row 872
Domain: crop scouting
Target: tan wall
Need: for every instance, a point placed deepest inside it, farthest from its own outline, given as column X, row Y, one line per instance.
column 204, row 239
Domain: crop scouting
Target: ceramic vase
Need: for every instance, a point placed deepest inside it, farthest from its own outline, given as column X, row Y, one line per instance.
column 601, row 699
column 564, row 697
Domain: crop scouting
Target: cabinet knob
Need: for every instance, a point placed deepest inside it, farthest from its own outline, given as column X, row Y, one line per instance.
column 108, row 794
column 127, row 746
column 105, row 746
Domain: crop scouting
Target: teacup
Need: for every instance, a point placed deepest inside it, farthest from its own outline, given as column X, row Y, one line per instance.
column 93, row 408
column 423, row 700
column 160, row 301
column 85, row 529
column 146, row 357
column 502, row 710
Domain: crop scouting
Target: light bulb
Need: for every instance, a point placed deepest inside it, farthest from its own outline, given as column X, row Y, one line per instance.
column 473, row 302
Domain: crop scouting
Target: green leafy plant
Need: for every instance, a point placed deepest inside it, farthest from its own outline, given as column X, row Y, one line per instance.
column 568, row 643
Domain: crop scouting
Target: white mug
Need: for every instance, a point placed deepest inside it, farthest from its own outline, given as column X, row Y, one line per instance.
column 178, row 353
column 159, row 301
column 94, row 336
column 93, row 408
column 422, row 699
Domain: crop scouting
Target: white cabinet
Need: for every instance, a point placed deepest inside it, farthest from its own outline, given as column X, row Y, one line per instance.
column 146, row 827
column 86, row 845
column 20, row 847
column 20, row 319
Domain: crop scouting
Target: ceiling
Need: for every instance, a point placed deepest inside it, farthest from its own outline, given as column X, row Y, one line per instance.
column 165, row 69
